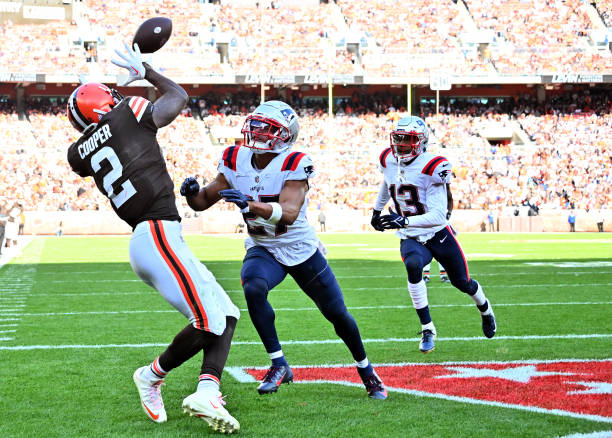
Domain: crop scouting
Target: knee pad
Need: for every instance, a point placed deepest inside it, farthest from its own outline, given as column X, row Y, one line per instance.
column 255, row 289
column 414, row 267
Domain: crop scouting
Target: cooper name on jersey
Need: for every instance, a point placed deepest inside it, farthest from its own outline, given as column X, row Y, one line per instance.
column 96, row 139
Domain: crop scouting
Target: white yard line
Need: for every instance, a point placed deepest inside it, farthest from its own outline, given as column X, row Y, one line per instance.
column 313, row 342
column 313, row 308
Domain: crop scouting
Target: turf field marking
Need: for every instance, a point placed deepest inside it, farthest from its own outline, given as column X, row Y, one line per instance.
column 599, row 434
column 300, row 309
column 7, row 339
column 8, row 331
column 9, row 319
column 337, row 269
column 242, row 376
column 308, row 342
column 8, row 325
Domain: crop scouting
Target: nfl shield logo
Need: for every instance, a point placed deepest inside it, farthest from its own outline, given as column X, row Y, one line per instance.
column 257, row 179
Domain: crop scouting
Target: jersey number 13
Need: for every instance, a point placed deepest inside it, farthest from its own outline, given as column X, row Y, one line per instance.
column 406, row 199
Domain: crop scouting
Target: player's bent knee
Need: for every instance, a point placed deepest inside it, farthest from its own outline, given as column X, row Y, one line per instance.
column 414, row 267
column 255, row 289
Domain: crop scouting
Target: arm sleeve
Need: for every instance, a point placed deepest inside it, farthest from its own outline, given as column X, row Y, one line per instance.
column 436, row 209
column 383, row 196
column 74, row 162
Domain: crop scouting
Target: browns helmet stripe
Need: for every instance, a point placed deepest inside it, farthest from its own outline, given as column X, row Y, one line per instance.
column 75, row 113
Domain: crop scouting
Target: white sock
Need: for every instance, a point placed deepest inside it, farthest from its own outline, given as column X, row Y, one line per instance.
column 418, row 293
column 479, row 297
column 276, row 354
column 208, row 382
column 154, row 371
column 363, row 364
column 429, row 326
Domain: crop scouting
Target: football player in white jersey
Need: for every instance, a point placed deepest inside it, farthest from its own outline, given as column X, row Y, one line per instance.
column 417, row 182
column 269, row 183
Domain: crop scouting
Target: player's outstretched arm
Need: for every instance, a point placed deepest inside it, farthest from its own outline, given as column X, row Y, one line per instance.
column 201, row 199
column 172, row 100
column 285, row 211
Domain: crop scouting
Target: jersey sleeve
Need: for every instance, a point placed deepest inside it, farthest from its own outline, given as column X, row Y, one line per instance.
column 227, row 163
column 143, row 111
column 439, row 168
column 382, row 160
column 298, row 166
column 74, row 162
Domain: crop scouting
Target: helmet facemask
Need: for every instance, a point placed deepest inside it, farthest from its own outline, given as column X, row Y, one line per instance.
column 263, row 134
column 407, row 144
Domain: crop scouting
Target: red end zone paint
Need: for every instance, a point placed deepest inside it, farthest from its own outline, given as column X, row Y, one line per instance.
column 576, row 387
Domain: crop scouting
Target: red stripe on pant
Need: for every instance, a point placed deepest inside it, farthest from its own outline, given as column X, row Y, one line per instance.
column 193, row 304
column 461, row 250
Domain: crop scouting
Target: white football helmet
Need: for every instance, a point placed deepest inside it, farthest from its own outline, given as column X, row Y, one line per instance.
column 410, row 137
column 273, row 127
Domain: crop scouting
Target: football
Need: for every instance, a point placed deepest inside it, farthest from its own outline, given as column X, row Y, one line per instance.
column 152, row 34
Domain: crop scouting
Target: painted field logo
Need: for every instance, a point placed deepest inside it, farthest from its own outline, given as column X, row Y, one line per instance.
column 576, row 388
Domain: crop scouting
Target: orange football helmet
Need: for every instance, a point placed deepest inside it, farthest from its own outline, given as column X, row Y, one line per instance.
column 89, row 102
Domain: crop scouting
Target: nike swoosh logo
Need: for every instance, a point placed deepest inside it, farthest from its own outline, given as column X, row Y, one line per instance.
column 213, row 405
column 153, row 416
column 442, row 241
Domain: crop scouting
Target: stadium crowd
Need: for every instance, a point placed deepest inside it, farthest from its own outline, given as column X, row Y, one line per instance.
column 276, row 37
column 565, row 166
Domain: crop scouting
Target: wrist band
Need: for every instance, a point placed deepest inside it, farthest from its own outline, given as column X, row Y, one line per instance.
column 277, row 212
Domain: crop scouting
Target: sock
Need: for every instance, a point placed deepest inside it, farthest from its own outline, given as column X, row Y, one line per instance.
column 153, row 371
column 426, row 273
column 208, row 382
column 481, row 301
column 442, row 273
column 429, row 326
column 364, row 368
column 278, row 359
column 424, row 315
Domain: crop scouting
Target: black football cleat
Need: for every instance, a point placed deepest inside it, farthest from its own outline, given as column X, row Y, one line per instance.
column 375, row 387
column 274, row 377
column 427, row 341
column 489, row 327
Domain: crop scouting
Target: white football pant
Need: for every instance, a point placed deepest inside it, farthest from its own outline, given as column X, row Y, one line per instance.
column 162, row 259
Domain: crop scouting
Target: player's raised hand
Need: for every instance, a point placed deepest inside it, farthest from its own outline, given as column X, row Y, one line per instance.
column 132, row 61
column 375, row 221
column 190, row 187
column 393, row 221
column 235, row 196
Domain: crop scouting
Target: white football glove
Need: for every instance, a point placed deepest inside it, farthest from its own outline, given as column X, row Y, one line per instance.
column 132, row 61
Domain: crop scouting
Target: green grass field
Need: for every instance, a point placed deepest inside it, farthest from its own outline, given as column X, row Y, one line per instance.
column 94, row 323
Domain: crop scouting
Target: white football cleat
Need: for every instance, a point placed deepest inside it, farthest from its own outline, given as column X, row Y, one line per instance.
column 150, row 396
column 208, row 405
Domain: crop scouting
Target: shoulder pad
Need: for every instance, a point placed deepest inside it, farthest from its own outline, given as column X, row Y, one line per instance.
column 383, row 157
column 433, row 163
column 292, row 161
column 229, row 157
column 138, row 105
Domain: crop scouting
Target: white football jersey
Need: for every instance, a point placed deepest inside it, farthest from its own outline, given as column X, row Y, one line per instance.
column 418, row 191
column 289, row 244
